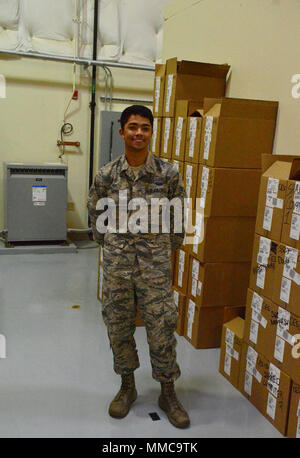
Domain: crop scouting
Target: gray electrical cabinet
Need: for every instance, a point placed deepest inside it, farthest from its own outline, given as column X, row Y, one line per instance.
column 35, row 198
column 111, row 144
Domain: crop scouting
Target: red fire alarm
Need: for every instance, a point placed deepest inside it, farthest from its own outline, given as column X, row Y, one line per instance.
column 75, row 95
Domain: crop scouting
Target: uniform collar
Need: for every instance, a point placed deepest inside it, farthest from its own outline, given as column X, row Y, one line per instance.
column 147, row 167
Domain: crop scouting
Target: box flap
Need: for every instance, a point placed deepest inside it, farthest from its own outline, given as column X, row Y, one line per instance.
column 237, row 326
column 268, row 159
column 171, row 66
column 295, row 170
column 280, row 170
column 203, row 69
column 244, row 108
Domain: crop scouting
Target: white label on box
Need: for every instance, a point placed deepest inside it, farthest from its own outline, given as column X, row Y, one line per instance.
column 204, row 186
column 248, row 383
column 279, row 349
column 195, row 269
column 209, row 123
column 178, row 135
column 272, row 388
column 252, row 356
column 39, row 193
column 157, row 93
column 194, row 287
column 227, row 364
column 290, row 261
column 195, row 244
column 261, row 276
column 199, row 223
column 169, row 92
column 273, row 186
column 191, row 312
column 293, row 275
column 295, row 227
column 176, row 163
column 229, row 337
column 264, row 251
column 274, row 202
column 297, row 192
column 259, row 318
column 176, row 298
column 193, row 127
column 189, row 172
column 271, row 406
column 207, row 140
column 180, row 277
column 167, row 134
column 233, row 353
column 253, row 371
column 283, row 319
column 285, row 335
column 268, row 218
column 199, row 289
column 298, row 410
column 191, row 146
column 257, row 302
column 253, row 331
column 154, row 136
column 285, row 290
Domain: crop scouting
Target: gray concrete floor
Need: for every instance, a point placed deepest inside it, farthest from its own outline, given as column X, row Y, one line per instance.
column 57, row 378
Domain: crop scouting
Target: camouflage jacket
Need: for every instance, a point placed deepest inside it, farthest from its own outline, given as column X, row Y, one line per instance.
column 156, row 179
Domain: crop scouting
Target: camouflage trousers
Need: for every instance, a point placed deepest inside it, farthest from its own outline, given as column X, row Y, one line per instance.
column 148, row 285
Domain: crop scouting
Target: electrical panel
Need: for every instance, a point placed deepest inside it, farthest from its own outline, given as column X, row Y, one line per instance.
column 111, row 143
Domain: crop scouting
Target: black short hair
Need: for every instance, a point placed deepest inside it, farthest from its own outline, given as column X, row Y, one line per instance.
column 140, row 110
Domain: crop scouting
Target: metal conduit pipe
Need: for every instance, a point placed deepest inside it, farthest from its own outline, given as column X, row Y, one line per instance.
column 79, row 61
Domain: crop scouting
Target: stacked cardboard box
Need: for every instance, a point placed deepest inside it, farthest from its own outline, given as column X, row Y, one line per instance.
column 138, row 319
column 235, row 133
column 269, row 367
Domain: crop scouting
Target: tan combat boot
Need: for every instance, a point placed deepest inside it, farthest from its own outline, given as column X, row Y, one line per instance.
column 169, row 403
column 120, row 405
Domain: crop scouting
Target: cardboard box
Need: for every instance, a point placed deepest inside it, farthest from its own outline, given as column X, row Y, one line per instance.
column 271, row 200
column 271, row 331
column 286, row 290
column 268, row 159
column 293, row 430
column 220, row 239
column 180, row 167
column 180, row 302
column 159, row 89
column 231, row 350
column 193, row 137
column 263, row 264
column 190, row 176
column 291, row 222
column 181, row 271
column 156, row 137
column 228, row 192
column 265, row 386
column 203, row 326
column 184, row 108
column 167, row 138
column 218, row 284
column 187, row 80
column 236, row 132
column 290, row 234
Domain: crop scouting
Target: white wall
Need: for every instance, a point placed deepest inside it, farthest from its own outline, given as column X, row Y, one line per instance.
column 258, row 38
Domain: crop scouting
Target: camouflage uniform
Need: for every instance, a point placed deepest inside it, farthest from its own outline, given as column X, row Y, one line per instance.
column 139, row 265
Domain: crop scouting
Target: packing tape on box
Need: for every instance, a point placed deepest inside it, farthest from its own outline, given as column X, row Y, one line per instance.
column 157, row 93
column 169, row 92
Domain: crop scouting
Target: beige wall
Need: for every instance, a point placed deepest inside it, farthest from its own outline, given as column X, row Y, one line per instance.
column 258, row 38
column 31, row 115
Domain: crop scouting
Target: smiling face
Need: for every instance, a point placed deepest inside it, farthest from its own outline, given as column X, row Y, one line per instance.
column 136, row 133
